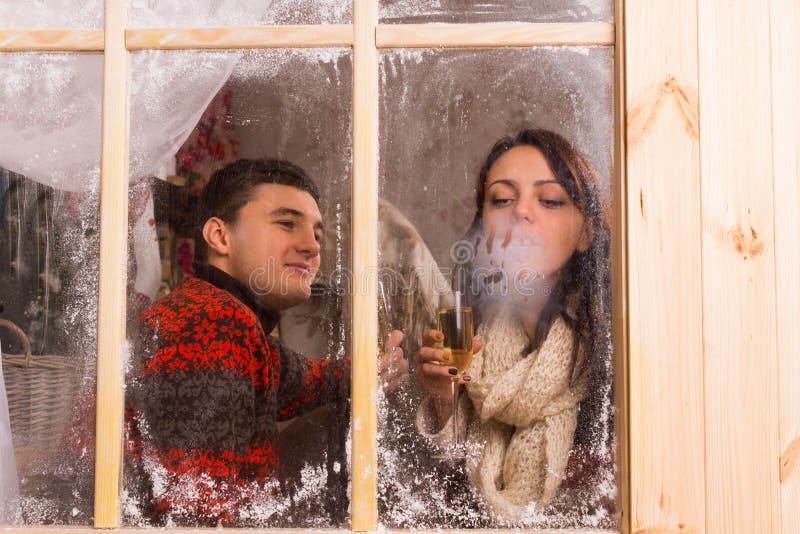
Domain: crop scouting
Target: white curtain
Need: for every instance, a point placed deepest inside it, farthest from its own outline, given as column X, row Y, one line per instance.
column 50, row 104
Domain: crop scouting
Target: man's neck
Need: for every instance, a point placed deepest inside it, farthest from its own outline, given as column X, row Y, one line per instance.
column 225, row 281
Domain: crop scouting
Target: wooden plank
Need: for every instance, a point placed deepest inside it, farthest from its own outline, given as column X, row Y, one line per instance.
column 365, row 261
column 51, row 40
column 785, row 44
column 741, row 372
column 493, row 35
column 324, row 35
column 619, row 278
column 664, row 268
column 113, row 269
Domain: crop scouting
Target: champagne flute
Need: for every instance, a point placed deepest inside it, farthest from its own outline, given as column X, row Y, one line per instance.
column 455, row 322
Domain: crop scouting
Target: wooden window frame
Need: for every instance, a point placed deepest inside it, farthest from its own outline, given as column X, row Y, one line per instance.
column 366, row 37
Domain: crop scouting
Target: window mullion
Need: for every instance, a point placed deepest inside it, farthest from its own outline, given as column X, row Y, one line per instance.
column 365, row 260
column 113, row 268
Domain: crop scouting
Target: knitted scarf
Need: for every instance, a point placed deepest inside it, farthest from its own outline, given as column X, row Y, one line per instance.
column 522, row 410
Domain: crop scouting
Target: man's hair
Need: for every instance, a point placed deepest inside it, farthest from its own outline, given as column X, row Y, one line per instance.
column 232, row 187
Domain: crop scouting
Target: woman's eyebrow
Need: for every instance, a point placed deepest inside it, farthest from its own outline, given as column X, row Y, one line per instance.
column 508, row 182
column 545, row 182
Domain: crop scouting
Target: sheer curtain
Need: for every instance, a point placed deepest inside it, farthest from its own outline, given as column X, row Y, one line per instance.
column 50, row 119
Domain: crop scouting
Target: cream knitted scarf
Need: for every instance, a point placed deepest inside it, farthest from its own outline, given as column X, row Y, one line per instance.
column 525, row 414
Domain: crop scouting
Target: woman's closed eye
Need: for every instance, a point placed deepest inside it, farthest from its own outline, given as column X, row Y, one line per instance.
column 501, row 202
column 552, row 202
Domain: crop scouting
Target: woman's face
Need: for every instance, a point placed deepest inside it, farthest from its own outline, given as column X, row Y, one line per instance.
column 530, row 224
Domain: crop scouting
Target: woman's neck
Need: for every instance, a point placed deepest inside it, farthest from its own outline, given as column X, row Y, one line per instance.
column 529, row 309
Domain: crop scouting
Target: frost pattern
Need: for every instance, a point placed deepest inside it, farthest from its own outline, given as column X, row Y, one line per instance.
column 291, row 104
column 48, row 286
column 440, row 113
column 155, row 13
column 37, row 14
column 454, row 11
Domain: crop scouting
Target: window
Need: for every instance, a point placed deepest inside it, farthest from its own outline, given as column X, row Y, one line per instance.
column 419, row 94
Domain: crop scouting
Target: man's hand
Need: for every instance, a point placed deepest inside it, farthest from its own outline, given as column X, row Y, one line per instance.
column 392, row 366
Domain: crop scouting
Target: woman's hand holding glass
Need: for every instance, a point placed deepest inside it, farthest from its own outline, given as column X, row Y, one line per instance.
column 435, row 375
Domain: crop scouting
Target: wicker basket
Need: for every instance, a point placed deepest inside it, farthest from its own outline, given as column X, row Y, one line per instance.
column 41, row 393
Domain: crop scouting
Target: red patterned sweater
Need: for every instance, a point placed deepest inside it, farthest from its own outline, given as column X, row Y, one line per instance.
column 207, row 388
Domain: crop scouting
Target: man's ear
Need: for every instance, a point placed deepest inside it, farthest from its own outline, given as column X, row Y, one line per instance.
column 587, row 234
column 217, row 236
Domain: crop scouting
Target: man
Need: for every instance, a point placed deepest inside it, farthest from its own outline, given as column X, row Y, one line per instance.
column 209, row 381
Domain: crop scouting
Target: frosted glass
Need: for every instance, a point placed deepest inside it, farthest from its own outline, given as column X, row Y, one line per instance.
column 49, row 251
column 440, row 114
column 286, row 104
column 41, row 14
column 452, row 11
column 151, row 13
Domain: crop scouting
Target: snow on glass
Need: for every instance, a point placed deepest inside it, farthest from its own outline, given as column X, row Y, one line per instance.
column 48, row 271
column 160, row 13
column 454, row 11
column 292, row 104
column 440, row 113
column 40, row 14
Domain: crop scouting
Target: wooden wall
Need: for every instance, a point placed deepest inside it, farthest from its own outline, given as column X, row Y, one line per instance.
column 713, row 215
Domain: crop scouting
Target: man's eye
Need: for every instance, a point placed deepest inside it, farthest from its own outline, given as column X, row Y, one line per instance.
column 318, row 237
column 286, row 224
column 552, row 203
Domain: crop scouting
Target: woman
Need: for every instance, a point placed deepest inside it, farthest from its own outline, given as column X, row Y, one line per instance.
column 539, row 283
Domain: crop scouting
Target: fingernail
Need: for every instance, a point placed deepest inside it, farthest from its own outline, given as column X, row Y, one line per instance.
column 453, row 371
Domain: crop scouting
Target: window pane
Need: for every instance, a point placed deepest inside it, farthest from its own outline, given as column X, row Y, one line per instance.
column 423, row 11
column 225, row 424
column 148, row 13
column 49, row 169
column 535, row 276
column 73, row 14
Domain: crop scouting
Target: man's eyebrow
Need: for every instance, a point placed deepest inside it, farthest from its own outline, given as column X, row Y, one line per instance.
column 284, row 211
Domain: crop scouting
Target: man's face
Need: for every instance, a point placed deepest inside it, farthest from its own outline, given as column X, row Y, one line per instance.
column 274, row 245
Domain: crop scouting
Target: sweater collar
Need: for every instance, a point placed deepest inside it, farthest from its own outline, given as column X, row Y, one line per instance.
column 222, row 280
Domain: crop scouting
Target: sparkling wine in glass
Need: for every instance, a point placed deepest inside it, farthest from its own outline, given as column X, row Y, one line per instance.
column 455, row 322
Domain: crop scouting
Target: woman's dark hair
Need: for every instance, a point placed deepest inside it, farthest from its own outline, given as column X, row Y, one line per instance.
column 232, row 187
column 582, row 296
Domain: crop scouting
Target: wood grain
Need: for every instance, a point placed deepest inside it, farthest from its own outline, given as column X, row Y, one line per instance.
column 741, row 371
column 324, row 35
column 493, row 35
column 51, row 40
column 664, row 268
column 365, row 261
column 785, row 47
column 113, row 270
column 619, row 278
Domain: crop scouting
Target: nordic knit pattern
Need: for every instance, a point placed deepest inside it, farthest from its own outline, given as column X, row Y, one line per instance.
column 208, row 388
column 522, row 414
